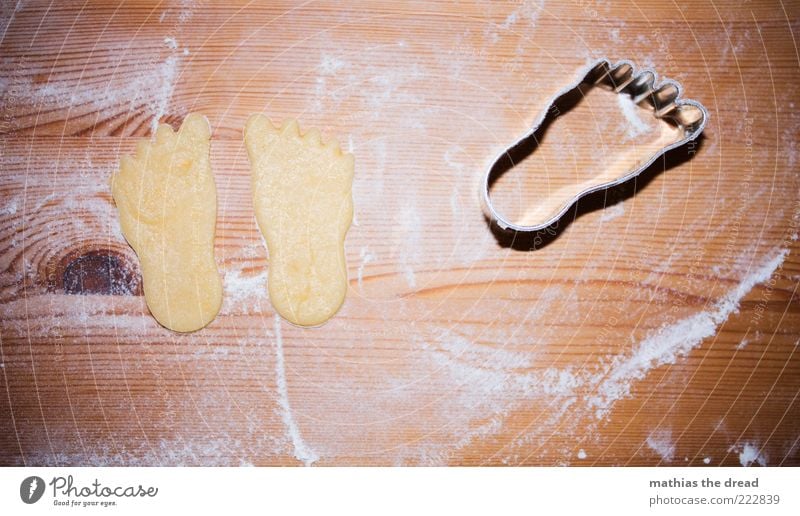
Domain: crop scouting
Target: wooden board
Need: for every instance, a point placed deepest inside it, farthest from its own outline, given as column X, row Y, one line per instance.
column 659, row 324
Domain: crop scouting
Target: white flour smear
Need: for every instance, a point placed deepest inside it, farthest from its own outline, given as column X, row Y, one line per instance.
column 366, row 258
column 492, row 382
column 613, row 212
column 661, row 443
column 302, row 452
column 749, row 454
column 522, row 20
column 174, row 452
column 480, row 386
column 7, row 12
column 165, row 87
column 673, row 341
column 243, row 293
column 636, row 126
column 410, row 252
column 149, row 87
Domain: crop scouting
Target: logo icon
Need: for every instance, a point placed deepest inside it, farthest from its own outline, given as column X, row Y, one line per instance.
column 31, row 489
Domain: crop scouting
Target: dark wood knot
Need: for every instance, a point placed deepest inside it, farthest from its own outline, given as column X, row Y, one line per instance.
column 101, row 271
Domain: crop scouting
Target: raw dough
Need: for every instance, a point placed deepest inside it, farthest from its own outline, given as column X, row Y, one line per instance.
column 167, row 205
column 304, row 207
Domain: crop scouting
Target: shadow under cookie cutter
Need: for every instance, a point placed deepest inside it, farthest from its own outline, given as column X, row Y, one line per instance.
column 622, row 77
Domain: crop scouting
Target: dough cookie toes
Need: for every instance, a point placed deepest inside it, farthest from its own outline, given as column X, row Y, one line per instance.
column 302, row 196
column 167, row 204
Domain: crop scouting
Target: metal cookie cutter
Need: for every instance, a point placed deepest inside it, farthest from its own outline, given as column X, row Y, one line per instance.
column 644, row 88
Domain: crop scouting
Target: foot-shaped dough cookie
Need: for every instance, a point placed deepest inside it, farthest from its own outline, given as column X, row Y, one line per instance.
column 303, row 202
column 167, row 205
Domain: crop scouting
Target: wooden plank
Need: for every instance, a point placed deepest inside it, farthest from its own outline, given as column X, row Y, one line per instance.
column 659, row 325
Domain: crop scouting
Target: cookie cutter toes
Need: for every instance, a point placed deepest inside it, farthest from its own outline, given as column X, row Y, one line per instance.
column 664, row 97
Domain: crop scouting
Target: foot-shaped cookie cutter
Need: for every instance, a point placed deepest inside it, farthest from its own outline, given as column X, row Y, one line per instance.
column 622, row 77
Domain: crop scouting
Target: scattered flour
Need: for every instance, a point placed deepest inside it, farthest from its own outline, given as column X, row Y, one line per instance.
column 527, row 10
column 330, row 64
column 411, row 235
column 636, row 126
column 10, row 207
column 674, row 340
column 186, row 13
column 151, row 85
column 366, row 258
column 174, row 452
column 707, row 460
column 7, row 12
column 510, row 20
column 487, row 384
column 244, row 293
column 459, row 169
column 302, row 452
column 483, row 384
column 749, row 454
column 660, row 442
column 581, row 454
column 164, row 91
column 613, row 212
column 789, row 146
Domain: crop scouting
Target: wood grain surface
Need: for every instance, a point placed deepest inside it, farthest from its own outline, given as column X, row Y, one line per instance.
column 658, row 324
